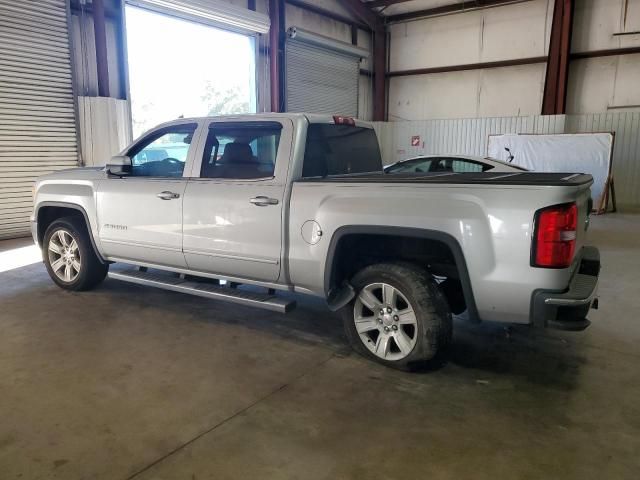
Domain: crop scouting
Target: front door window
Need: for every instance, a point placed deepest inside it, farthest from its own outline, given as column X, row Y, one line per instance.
column 163, row 153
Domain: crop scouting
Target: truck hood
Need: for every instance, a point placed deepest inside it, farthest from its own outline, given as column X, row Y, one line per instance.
column 82, row 173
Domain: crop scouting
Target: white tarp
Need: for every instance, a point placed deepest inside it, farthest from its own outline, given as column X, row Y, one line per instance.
column 576, row 153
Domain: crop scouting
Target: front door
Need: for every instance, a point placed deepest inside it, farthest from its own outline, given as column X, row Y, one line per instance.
column 233, row 210
column 140, row 215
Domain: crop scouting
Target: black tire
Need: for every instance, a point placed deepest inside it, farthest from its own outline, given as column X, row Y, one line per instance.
column 91, row 272
column 433, row 331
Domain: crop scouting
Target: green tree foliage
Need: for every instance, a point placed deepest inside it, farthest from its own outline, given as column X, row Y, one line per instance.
column 224, row 102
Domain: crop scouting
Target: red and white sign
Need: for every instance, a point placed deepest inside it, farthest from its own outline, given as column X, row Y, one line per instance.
column 415, row 141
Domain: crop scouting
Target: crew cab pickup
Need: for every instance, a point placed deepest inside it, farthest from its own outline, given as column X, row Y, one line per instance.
column 258, row 204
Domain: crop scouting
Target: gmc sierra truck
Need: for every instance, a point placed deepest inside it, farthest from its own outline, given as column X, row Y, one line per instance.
column 256, row 204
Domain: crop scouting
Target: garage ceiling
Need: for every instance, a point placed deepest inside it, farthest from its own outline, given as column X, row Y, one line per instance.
column 426, row 8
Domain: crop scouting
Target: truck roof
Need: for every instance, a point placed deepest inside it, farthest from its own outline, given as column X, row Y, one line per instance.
column 310, row 117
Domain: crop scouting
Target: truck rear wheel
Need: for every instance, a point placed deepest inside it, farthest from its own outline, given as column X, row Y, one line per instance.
column 69, row 256
column 399, row 317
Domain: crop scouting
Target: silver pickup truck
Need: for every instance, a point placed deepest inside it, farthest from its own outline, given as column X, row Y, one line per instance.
column 239, row 208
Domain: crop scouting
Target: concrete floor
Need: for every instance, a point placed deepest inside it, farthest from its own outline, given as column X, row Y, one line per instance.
column 129, row 382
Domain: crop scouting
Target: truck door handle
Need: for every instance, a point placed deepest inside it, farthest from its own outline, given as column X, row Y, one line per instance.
column 166, row 195
column 262, row 201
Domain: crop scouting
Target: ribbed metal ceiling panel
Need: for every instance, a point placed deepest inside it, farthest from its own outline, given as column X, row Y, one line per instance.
column 37, row 112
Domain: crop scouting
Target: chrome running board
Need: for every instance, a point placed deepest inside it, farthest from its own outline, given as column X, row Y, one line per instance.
column 267, row 301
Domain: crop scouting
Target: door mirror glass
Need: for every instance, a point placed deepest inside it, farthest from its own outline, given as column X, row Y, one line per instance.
column 119, row 165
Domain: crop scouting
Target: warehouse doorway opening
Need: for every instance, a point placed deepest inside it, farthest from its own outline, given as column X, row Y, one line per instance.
column 179, row 68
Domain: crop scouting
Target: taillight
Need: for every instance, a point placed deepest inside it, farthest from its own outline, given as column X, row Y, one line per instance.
column 555, row 236
column 341, row 120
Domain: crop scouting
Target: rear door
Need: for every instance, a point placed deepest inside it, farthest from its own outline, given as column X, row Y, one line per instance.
column 233, row 205
column 140, row 215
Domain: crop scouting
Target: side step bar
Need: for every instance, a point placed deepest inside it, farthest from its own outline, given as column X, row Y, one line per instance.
column 215, row 292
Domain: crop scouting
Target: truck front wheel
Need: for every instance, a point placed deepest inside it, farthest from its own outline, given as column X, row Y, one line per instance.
column 69, row 256
column 399, row 317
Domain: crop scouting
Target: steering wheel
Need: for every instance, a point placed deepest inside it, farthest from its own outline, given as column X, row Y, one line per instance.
column 171, row 160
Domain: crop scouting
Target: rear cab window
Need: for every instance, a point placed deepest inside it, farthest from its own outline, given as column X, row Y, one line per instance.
column 338, row 149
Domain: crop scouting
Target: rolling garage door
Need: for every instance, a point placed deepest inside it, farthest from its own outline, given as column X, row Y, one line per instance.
column 321, row 74
column 37, row 115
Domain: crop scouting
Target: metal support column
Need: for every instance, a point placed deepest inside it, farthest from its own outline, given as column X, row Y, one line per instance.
column 275, row 65
column 554, row 99
column 101, row 48
column 379, row 70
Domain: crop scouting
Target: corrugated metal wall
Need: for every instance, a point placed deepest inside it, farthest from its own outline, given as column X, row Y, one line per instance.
column 320, row 80
column 105, row 128
column 470, row 135
column 626, row 149
column 37, row 111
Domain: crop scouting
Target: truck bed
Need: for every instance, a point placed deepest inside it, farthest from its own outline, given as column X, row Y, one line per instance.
column 471, row 178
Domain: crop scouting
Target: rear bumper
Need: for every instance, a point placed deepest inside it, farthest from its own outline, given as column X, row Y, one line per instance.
column 567, row 310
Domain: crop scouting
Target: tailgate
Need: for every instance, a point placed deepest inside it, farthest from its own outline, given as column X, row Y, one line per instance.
column 584, row 203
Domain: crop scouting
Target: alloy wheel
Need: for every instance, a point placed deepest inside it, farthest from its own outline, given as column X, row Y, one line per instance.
column 64, row 255
column 385, row 321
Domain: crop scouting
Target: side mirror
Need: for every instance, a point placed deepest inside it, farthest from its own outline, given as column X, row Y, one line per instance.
column 119, row 166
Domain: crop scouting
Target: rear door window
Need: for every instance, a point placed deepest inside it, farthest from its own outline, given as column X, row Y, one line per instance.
column 241, row 150
column 340, row 150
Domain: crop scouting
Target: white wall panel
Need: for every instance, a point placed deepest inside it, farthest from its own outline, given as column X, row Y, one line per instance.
column 597, row 84
column 296, row 17
column 115, row 88
column 515, row 31
column 365, row 98
column 331, row 5
column 632, row 23
column 365, row 40
column 590, row 87
column 489, row 35
column 435, row 42
column 440, row 95
column 595, row 22
column 504, row 33
column 626, row 89
column 511, row 90
column 490, row 92
column 105, row 128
